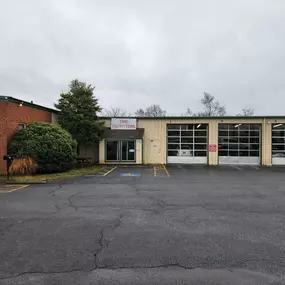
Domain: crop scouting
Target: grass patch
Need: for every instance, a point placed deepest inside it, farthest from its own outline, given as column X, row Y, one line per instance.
column 53, row 176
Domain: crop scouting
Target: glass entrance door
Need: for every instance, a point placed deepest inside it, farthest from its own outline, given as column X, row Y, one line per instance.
column 127, row 150
column 112, row 151
column 123, row 150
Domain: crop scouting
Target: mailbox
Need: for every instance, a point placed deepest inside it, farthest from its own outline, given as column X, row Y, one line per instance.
column 8, row 157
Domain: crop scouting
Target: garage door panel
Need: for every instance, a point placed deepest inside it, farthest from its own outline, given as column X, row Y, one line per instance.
column 187, row 144
column 241, row 145
column 187, row 160
column 278, row 144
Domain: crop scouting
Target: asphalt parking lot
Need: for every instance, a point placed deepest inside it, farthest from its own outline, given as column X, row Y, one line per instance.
column 147, row 225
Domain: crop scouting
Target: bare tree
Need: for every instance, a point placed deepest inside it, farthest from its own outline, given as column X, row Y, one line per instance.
column 212, row 107
column 140, row 113
column 116, row 112
column 151, row 111
column 188, row 113
column 246, row 112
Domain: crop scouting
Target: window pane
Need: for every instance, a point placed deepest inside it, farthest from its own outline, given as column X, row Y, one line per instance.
column 278, row 133
column 244, row 140
column 233, row 140
column 200, row 146
column 278, row 140
column 233, row 133
column 187, row 133
column 173, row 146
column 243, row 153
column 173, row 127
column 186, row 146
column 200, row 140
column 232, row 127
column 200, row 153
column 254, row 153
column 243, row 146
column 254, row 146
column 174, row 140
column 223, row 140
column 173, row 133
column 223, row 133
column 223, row 153
column 233, row 146
column 255, row 127
column 223, row 127
column 172, row 153
column 187, row 140
column 243, row 133
column 254, row 140
column 278, row 147
column 223, row 146
column 186, row 127
column 200, row 133
column 254, row 133
column 233, row 153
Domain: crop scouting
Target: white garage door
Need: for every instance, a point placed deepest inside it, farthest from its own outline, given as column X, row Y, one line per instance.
column 187, row 143
column 278, row 144
column 239, row 143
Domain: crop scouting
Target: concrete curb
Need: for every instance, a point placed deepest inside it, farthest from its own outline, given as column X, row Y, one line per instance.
column 24, row 182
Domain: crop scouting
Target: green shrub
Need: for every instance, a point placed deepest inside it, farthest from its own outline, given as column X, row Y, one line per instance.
column 52, row 147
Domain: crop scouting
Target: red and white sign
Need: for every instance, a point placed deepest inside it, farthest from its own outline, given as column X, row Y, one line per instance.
column 212, row 147
column 123, row 124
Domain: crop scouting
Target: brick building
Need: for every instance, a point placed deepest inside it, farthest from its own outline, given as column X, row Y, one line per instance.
column 14, row 115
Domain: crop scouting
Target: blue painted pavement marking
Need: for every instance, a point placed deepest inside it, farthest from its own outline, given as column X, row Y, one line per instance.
column 130, row 174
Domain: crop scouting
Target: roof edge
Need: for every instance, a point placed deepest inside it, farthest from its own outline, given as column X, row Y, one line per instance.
column 197, row 118
column 28, row 104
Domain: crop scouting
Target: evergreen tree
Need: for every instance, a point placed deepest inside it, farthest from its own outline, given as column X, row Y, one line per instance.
column 78, row 112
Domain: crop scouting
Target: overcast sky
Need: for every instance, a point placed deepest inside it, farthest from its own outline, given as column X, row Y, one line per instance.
column 142, row 52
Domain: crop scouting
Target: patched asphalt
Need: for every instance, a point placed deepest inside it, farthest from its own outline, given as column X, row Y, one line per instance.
column 186, row 225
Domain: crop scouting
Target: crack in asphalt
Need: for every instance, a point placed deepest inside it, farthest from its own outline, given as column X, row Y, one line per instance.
column 71, row 203
column 168, row 265
column 101, row 247
column 101, row 240
column 52, row 193
column 5, row 229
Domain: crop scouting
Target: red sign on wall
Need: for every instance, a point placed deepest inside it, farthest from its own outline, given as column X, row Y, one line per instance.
column 212, row 147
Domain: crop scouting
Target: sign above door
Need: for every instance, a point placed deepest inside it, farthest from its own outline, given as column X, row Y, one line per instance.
column 123, row 124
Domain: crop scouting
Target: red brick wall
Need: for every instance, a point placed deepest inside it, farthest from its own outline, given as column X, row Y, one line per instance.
column 11, row 114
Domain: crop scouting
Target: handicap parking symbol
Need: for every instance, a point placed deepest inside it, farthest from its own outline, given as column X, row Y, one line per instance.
column 129, row 174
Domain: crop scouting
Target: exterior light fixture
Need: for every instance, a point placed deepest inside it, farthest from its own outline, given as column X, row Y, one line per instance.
column 278, row 125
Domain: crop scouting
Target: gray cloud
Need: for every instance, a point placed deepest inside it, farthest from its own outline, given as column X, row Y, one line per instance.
column 143, row 52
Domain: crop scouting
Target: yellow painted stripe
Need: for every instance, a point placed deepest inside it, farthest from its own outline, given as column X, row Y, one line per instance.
column 154, row 171
column 163, row 165
column 16, row 189
column 108, row 172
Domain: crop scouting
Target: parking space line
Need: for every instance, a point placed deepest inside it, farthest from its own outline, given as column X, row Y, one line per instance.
column 236, row 167
column 14, row 189
column 154, row 171
column 163, row 165
column 108, row 172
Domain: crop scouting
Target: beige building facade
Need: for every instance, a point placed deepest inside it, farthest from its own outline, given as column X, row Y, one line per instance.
column 194, row 140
